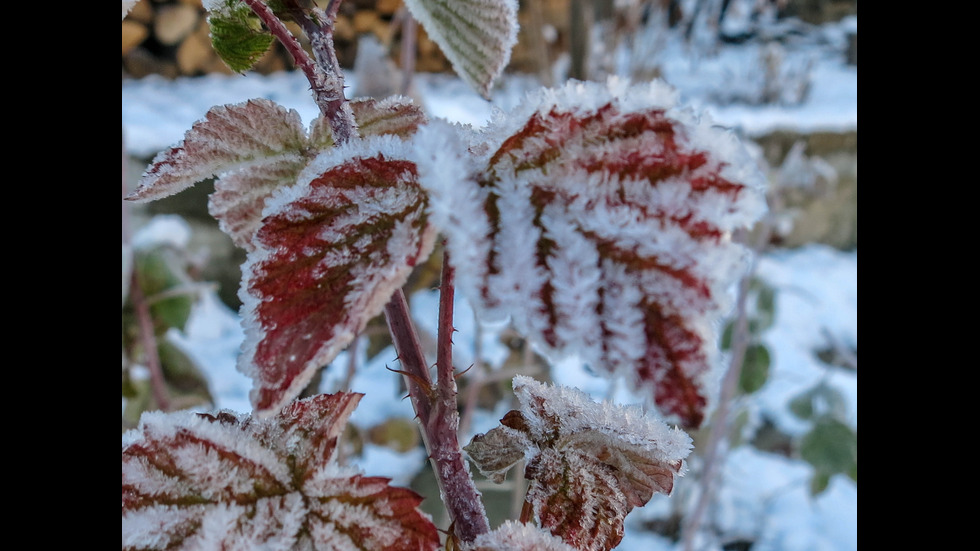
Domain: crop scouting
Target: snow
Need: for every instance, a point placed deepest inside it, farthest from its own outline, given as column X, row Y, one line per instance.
column 763, row 496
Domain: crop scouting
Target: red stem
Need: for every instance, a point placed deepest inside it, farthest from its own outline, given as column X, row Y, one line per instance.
column 444, row 358
column 438, row 417
column 157, row 382
column 325, row 76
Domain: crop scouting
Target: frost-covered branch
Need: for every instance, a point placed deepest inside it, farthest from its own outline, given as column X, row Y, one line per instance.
column 326, row 78
column 436, row 409
column 720, row 426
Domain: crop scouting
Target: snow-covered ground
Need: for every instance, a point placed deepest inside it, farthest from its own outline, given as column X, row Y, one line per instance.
column 762, row 497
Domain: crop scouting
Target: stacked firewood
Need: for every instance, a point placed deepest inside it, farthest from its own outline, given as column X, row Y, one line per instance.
column 171, row 38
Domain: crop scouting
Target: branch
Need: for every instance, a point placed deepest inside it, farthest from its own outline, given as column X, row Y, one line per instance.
column 409, row 41
column 436, row 409
column 325, row 76
column 444, row 355
column 719, row 432
column 157, row 383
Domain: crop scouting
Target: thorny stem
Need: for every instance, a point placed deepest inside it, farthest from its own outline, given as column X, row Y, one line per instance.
column 325, row 76
column 444, row 354
column 435, row 406
column 719, row 432
column 157, row 383
column 436, row 409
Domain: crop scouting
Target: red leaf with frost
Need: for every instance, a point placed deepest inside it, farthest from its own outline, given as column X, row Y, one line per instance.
column 253, row 149
column 228, row 481
column 589, row 464
column 329, row 254
column 392, row 116
column 604, row 230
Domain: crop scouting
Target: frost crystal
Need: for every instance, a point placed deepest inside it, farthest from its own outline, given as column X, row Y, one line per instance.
column 255, row 148
column 228, row 481
column 589, row 463
column 598, row 219
column 515, row 536
column 330, row 252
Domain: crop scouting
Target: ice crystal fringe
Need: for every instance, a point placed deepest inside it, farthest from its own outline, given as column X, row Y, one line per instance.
column 329, row 254
column 598, row 218
column 589, row 463
column 229, row 481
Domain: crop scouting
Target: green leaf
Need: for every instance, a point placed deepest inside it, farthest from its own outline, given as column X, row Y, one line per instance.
column 755, row 368
column 237, row 36
column 726, row 335
column 831, row 447
column 802, row 405
column 181, row 372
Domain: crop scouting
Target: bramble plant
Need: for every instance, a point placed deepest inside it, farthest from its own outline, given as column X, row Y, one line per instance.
column 597, row 218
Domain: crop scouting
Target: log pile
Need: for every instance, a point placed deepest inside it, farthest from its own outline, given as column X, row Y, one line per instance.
column 171, row 38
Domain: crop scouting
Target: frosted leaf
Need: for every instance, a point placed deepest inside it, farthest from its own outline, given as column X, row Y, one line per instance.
column 330, row 252
column 239, row 197
column 255, row 148
column 476, row 35
column 349, row 225
column 228, row 481
column 230, row 137
column 588, row 463
column 516, row 536
column 599, row 220
column 394, row 115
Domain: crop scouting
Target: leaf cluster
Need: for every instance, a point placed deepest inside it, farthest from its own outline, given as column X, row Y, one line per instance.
column 598, row 218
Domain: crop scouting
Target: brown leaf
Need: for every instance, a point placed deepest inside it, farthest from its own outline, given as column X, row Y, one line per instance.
column 589, row 463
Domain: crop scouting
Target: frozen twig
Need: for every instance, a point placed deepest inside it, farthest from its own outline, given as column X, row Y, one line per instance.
column 436, row 409
column 718, row 436
column 325, row 76
column 157, row 383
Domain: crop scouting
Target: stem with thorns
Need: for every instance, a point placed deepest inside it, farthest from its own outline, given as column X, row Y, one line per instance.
column 435, row 405
column 325, row 76
column 436, row 409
